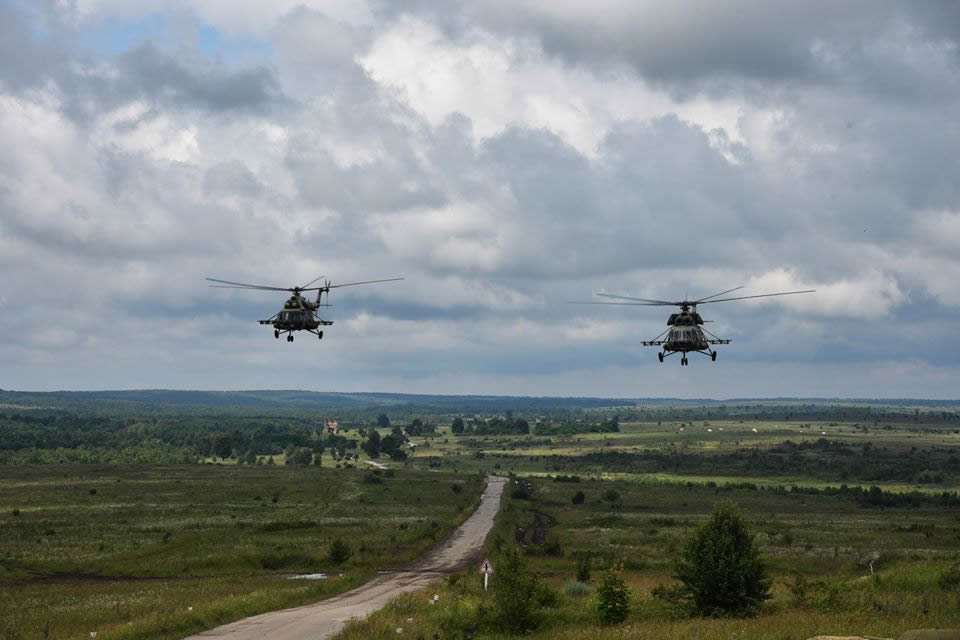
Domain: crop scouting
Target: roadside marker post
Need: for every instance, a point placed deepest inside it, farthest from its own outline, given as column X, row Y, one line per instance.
column 486, row 569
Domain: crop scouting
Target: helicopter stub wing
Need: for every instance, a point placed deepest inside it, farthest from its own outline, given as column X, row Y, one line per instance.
column 717, row 341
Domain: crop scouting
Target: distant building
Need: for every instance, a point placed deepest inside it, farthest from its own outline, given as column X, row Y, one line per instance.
column 330, row 426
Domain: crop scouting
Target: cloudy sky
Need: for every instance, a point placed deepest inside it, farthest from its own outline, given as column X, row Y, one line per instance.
column 505, row 158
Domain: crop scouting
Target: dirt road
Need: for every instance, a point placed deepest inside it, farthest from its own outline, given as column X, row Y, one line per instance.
column 325, row 618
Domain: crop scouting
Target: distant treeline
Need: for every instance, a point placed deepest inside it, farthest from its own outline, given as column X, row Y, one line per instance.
column 571, row 428
column 823, row 458
column 44, row 436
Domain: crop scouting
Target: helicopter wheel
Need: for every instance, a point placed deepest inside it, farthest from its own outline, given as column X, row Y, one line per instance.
column 713, row 356
column 290, row 338
column 276, row 334
column 660, row 355
column 320, row 335
column 683, row 361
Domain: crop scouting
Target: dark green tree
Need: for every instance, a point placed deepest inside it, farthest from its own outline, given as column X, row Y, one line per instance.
column 457, row 425
column 578, row 498
column 514, row 593
column 222, row 445
column 613, row 596
column 383, row 421
column 390, row 445
column 300, row 455
column 339, row 552
column 372, row 445
column 721, row 569
column 583, row 567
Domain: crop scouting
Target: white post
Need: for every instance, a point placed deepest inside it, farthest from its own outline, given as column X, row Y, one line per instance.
column 485, row 577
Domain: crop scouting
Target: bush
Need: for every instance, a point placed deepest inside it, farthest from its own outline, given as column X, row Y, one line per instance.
column 520, row 493
column 611, row 495
column 339, row 552
column 583, row 567
column 576, row 589
column 578, row 498
column 721, row 569
column 514, row 593
column 949, row 579
column 613, row 596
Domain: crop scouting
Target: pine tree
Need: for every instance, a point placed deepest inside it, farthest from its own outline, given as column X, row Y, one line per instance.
column 613, row 596
column 721, row 569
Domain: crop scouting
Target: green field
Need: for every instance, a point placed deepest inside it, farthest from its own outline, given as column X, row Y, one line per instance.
column 159, row 551
column 150, row 551
column 824, row 500
column 826, row 542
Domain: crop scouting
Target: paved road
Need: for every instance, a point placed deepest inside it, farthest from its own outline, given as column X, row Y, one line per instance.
column 323, row 619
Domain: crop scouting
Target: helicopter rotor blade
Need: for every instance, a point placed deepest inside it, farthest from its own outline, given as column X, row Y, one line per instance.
column 304, row 287
column 644, row 300
column 352, row 284
column 763, row 295
column 626, row 304
column 244, row 285
column 716, row 294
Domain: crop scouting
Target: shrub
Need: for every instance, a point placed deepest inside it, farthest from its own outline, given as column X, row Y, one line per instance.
column 339, row 552
column 520, row 493
column 613, row 596
column 544, row 596
column 611, row 495
column 578, row 498
column 514, row 591
column 721, row 569
column 949, row 579
column 576, row 589
column 583, row 567
column 553, row 548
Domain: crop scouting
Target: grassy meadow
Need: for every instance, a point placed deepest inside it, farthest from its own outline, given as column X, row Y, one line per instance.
column 825, row 500
column 146, row 551
column 818, row 549
column 855, row 508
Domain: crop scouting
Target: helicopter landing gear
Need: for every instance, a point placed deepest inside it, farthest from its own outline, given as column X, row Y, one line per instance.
column 660, row 355
column 319, row 335
column 290, row 338
column 684, row 361
column 713, row 356
column 276, row 334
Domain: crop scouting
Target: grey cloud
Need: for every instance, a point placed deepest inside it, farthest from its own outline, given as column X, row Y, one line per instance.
column 719, row 48
column 862, row 159
column 195, row 82
column 37, row 47
column 232, row 178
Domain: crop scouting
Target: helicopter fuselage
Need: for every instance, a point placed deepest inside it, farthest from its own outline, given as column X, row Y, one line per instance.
column 298, row 314
column 685, row 336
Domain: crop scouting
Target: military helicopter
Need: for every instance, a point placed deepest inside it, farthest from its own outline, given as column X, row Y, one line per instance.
column 685, row 333
column 298, row 313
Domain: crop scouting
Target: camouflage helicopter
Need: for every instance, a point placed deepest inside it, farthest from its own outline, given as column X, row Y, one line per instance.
column 685, row 333
column 298, row 313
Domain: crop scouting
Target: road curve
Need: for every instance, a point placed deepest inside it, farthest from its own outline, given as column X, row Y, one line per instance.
column 325, row 618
